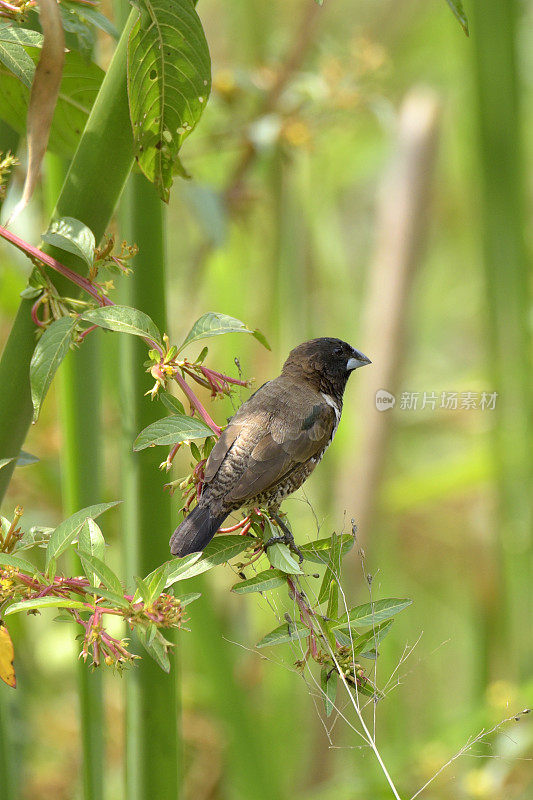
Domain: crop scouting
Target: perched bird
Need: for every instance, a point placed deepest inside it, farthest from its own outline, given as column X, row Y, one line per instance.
column 274, row 441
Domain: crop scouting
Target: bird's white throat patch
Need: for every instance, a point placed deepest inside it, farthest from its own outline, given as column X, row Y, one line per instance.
column 331, row 402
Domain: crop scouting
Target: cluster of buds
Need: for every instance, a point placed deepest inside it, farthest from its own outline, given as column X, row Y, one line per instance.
column 15, row 9
column 164, row 611
column 12, row 533
column 7, row 162
column 105, row 259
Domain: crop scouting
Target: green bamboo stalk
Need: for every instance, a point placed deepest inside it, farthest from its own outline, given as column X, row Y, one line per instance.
column 91, row 190
column 80, row 421
column 152, row 706
column 502, row 167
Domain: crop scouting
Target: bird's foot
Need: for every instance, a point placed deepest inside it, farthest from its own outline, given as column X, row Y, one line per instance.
column 287, row 538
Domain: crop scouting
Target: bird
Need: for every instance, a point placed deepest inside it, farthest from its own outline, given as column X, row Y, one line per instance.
column 273, row 442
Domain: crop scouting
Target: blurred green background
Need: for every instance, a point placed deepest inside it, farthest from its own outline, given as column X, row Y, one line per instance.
column 359, row 172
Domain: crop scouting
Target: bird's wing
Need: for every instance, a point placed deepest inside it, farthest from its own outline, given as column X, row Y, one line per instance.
column 290, row 440
column 249, row 409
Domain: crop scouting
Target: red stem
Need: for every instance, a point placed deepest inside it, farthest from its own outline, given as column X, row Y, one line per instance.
column 197, row 404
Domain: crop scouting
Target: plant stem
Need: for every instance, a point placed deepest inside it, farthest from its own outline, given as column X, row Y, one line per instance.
column 92, row 187
column 152, row 733
column 80, row 421
column 501, row 198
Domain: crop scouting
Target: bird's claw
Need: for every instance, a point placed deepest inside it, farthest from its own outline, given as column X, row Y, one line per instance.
column 287, row 538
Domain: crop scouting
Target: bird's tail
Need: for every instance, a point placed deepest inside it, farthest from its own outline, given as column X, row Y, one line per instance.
column 195, row 532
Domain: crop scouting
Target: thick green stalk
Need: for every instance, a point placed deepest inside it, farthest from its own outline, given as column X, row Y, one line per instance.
column 152, row 734
column 90, row 193
column 494, row 29
column 80, row 421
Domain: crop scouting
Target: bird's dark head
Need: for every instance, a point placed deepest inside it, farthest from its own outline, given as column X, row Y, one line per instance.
column 326, row 363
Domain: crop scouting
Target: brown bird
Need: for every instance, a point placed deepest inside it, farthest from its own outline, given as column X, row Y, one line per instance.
column 274, row 441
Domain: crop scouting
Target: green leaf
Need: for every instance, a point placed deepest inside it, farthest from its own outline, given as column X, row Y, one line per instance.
column 116, row 599
column 281, row 558
column 91, row 539
column 5, row 461
column 155, row 645
column 143, row 591
column 124, row 319
column 42, row 602
column 157, row 579
column 185, row 599
column 361, row 643
column 91, row 16
column 92, row 564
column 328, row 682
column 261, row 338
column 373, row 613
column 169, row 80
column 49, row 352
column 26, row 459
column 334, row 568
column 79, row 86
column 8, row 560
column 319, row 551
column 171, row 402
column 284, row 633
column 459, row 12
column 214, row 324
column 262, row 582
column 63, row 535
column 16, row 60
column 22, row 36
column 333, row 600
column 169, row 430
column 219, row 550
column 179, row 566
column 73, row 236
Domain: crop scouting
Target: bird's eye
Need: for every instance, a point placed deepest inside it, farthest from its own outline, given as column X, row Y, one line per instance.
column 337, row 351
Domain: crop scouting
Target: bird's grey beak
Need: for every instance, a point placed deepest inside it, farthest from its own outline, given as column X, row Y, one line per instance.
column 357, row 360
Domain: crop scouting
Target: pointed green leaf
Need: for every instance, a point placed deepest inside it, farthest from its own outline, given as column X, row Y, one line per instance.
column 214, row 324
column 334, row 568
column 459, row 13
column 116, row 599
column 155, row 645
column 171, row 402
column 362, row 643
column 79, row 86
column 49, row 352
column 373, row 613
column 328, row 682
column 169, row 80
column 185, row 599
column 281, row 558
column 92, row 564
column 178, row 566
column 319, row 551
column 261, row 338
column 124, row 319
column 17, row 61
column 7, row 560
column 22, row 36
column 219, row 550
column 91, row 539
column 143, row 591
column 262, row 582
column 64, row 534
column 42, row 602
column 73, row 236
column 284, row 633
column 26, row 459
column 170, row 430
